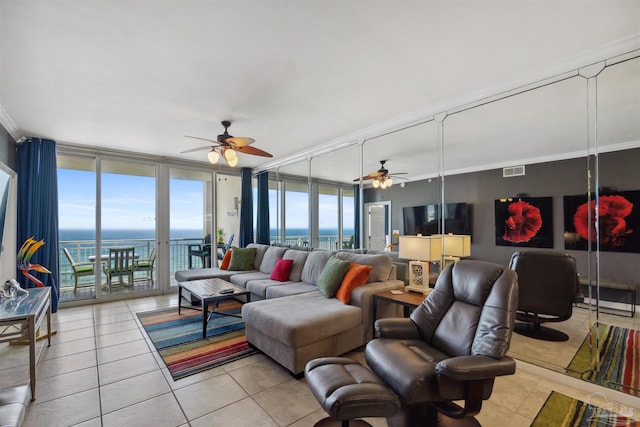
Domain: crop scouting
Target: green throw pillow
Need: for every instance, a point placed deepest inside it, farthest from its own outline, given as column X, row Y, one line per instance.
column 242, row 259
column 332, row 275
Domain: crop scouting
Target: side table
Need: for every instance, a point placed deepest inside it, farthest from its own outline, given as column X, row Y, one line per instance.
column 408, row 300
column 21, row 318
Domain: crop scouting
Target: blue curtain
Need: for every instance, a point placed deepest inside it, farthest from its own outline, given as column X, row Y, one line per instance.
column 356, row 210
column 262, row 226
column 246, row 209
column 38, row 209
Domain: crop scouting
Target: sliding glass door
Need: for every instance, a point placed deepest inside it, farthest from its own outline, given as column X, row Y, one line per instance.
column 77, row 227
column 190, row 220
column 128, row 221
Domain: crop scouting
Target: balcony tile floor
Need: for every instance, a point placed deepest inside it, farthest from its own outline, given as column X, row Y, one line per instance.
column 102, row 370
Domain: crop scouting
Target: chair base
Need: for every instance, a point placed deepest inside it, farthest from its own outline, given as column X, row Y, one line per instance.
column 330, row 422
column 426, row 415
column 537, row 331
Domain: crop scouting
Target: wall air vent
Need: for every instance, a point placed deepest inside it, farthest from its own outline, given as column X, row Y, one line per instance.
column 513, row 171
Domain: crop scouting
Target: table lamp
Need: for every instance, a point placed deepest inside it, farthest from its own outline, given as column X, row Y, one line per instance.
column 421, row 250
column 456, row 246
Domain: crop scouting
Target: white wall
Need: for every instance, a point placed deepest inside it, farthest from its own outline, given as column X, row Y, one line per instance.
column 229, row 190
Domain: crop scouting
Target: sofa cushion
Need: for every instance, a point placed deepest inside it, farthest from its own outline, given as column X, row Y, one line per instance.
column 331, row 277
column 357, row 275
column 242, row 279
column 281, row 270
column 288, row 289
column 314, row 265
column 271, row 256
column 260, row 251
column 381, row 263
column 303, row 319
column 226, row 260
column 204, row 273
column 258, row 288
column 299, row 258
column 242, row 259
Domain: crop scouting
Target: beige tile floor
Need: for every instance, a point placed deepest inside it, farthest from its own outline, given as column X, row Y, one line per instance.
column 101, row 370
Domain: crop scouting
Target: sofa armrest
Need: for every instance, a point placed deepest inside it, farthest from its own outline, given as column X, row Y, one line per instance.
column 471, row 368
column 362, row 296
column 397, row 328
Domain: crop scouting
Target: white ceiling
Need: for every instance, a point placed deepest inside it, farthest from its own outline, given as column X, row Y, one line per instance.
column 302, row 75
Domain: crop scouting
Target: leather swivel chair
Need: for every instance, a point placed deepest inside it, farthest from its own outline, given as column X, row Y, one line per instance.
column 548, row 286
column 451, row 347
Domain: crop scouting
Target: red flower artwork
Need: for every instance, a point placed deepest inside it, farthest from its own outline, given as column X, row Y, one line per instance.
column 523, row 223
column 611, row 211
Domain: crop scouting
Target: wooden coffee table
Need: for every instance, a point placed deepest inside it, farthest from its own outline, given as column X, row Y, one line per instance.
column 207, row 291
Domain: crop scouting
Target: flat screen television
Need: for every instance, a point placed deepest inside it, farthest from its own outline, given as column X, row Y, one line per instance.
column 425, row 219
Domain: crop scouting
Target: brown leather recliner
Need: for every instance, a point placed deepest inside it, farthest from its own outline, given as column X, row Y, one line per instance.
column 548, row 286
column 451, row 348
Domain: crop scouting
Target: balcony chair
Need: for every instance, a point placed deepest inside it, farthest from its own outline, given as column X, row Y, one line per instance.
column 119, row 264
column 223, row 249
column 146, row 265
column 548, row 287
column 202, row 251
column 451, row 348
column 80, row 269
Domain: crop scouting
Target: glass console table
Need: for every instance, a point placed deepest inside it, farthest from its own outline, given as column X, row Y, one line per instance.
column 20, row 318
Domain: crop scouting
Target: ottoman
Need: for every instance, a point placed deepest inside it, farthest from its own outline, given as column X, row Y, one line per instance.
column 13, row 405
column 348, row 390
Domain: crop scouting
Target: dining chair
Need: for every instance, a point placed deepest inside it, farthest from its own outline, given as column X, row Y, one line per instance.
column 202, row 251
column 146, row 265
column 119, row 264
column 80, row 269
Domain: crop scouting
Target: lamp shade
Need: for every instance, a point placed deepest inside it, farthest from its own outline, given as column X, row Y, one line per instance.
column 458, row 245
column 422, row 248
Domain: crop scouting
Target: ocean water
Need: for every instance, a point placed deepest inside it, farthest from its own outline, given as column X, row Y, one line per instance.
column 138, row 234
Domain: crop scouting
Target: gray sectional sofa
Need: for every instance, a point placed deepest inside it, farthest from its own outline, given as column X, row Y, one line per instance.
column 292, row 322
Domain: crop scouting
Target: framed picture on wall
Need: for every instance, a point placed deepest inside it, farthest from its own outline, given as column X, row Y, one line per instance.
column 524, row 222
column 619, row 218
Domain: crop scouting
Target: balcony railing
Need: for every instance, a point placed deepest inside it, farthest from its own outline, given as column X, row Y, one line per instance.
column 83, row 250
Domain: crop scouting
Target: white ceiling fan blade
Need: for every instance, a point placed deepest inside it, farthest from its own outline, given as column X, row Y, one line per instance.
column 191, row 150
column 213, row 141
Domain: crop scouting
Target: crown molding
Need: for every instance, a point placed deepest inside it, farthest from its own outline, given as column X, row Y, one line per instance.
column 9, row 125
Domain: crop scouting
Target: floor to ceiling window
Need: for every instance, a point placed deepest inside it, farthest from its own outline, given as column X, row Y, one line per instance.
column 128, row 231
column 77, row 226
column 348, row 218
column 190, row 229
column 296, row 212
column 328, row 218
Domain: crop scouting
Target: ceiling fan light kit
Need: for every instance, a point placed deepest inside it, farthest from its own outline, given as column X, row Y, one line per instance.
column 228, row 146
column 381, row 178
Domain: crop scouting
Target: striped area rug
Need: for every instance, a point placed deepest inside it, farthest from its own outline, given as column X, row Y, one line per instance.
column 178, row 338
column 564, row 411
column 619, row 356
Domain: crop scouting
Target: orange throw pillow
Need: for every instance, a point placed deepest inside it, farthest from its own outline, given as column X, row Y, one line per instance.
column 226, row 260
column 357, row 275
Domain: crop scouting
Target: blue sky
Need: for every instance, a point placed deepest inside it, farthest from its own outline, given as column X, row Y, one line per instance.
column 128, row 203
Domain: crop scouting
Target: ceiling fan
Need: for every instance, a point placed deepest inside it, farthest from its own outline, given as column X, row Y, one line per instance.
column 227, row 146
column 382, row 178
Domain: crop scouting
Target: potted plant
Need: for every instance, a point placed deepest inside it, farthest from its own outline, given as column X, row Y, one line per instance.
column 220, row 234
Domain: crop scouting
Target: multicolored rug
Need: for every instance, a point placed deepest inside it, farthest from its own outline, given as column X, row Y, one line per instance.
column 619, row 357
column 178, row 338
column 564, row 411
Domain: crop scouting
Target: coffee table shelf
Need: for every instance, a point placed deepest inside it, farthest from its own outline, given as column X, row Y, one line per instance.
column 207, row 291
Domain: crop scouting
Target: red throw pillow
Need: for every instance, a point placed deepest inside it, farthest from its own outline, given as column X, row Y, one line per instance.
column 357, row 275
column 281, row 270
column 226, row 260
